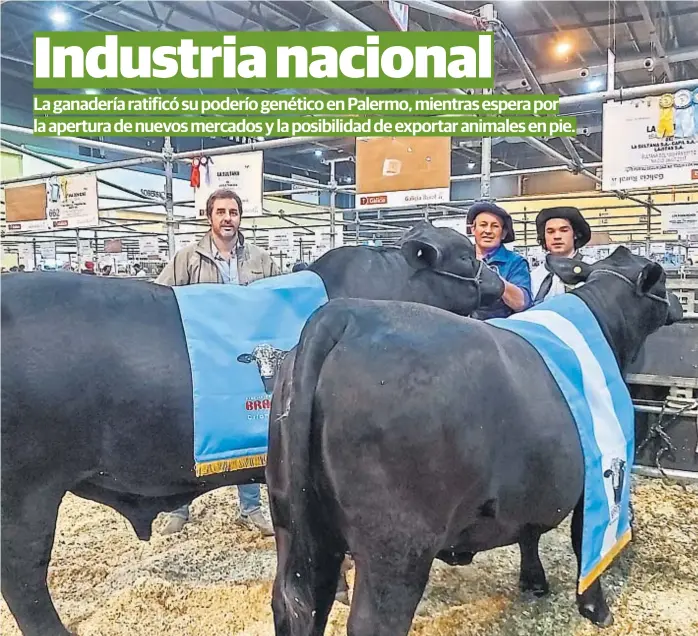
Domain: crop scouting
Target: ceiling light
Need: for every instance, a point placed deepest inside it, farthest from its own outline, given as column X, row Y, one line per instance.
column 471, row 166
column 563, row 48
column 595, row 84
column 318, row 153
column 59, row 17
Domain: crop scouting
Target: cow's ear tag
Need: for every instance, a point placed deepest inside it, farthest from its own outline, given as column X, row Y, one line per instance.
column 578, row 270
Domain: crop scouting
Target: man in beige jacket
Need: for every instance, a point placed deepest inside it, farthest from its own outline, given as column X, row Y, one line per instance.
column 222, row 256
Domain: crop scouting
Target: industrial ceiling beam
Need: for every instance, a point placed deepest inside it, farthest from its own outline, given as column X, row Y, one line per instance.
column 601, row 49
column 343, row 18
column 87, row 13
column 553, row 21
column 278, row 9
column 530, row 76
column 444, row 11
column 245, row 15
column 689, row 9
column 655, row 39
column 629, row 27
column 685, row 54
column 629, row 93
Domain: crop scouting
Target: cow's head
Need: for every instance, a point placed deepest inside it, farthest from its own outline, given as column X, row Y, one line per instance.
column 616, row 473
column 268, row 361
column 447, row 271
column 627, row 293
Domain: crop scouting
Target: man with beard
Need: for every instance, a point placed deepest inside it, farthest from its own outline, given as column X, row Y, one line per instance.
column 561, row 231
column 222, row 256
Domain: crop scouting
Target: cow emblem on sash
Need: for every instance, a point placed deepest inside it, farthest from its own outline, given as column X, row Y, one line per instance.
column 616, row 473
column 268, row 361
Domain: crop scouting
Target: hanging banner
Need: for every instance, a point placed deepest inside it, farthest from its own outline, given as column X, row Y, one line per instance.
column 112, row 246
column 402, row 171
column 242, row 173
column 149, row 185
column 281, row 241
column 400, row 13
column 680, row 218
column 323, row 240
column 148, row 246
column 56, row 203
column 47, row 251
column 26, row 255
column 458, row 224
column 651, row 142
column 658, row 247
column 304, row 197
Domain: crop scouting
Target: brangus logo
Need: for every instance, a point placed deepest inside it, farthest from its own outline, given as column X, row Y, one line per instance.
column 258, row 405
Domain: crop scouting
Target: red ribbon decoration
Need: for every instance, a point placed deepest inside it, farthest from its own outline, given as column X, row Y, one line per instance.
column 195, row 177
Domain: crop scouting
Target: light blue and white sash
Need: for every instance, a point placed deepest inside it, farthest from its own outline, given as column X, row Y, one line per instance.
column 236, row 339
column 569, row 339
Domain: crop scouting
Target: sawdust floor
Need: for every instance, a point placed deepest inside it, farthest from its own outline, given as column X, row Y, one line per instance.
column 214, row 579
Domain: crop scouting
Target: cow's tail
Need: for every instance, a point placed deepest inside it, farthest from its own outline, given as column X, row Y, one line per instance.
column 306, row 536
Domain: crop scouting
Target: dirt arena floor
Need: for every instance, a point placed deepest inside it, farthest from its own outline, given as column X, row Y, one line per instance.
column 214, row 579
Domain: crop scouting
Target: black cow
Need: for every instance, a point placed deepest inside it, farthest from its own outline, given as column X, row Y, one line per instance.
column 97, row 393
column 401, row 433
column 268, row 361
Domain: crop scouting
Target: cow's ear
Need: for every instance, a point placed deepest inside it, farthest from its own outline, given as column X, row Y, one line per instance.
column 570, row 271
column 420, row 254
column 648, row 278
column 245, row 357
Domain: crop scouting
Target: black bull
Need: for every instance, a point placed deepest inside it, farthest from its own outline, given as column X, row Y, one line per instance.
column 402, row 433
column 97, row 394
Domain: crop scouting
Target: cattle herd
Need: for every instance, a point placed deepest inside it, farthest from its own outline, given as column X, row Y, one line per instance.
column 401, row 432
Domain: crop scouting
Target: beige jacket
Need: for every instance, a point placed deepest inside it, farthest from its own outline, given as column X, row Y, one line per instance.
column 195, row 264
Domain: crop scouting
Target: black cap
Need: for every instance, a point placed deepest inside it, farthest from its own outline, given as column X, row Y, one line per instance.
column 491, row 208
column 581, row 229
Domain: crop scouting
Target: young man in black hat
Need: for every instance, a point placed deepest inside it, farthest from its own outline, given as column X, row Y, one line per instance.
column 492, row 227
column 562, row 231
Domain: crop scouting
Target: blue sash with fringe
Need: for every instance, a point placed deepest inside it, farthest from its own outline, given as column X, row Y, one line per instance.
column 567, row 336
column 236, row 339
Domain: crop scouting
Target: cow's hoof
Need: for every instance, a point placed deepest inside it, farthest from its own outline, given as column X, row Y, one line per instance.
column 539, row 589
column 174, row 525
column 601, row 616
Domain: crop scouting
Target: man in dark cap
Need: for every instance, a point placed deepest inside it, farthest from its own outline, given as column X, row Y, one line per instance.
column 492, row 227
column 561, row 231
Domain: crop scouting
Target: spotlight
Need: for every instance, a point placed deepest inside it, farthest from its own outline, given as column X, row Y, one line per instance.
column 562, row 48
column 59, row 17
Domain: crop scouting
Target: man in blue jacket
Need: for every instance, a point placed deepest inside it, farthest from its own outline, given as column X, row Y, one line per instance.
column 492, row 227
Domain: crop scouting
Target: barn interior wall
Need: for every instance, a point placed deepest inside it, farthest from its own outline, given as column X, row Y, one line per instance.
column 470, row 190
column 555, row 183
